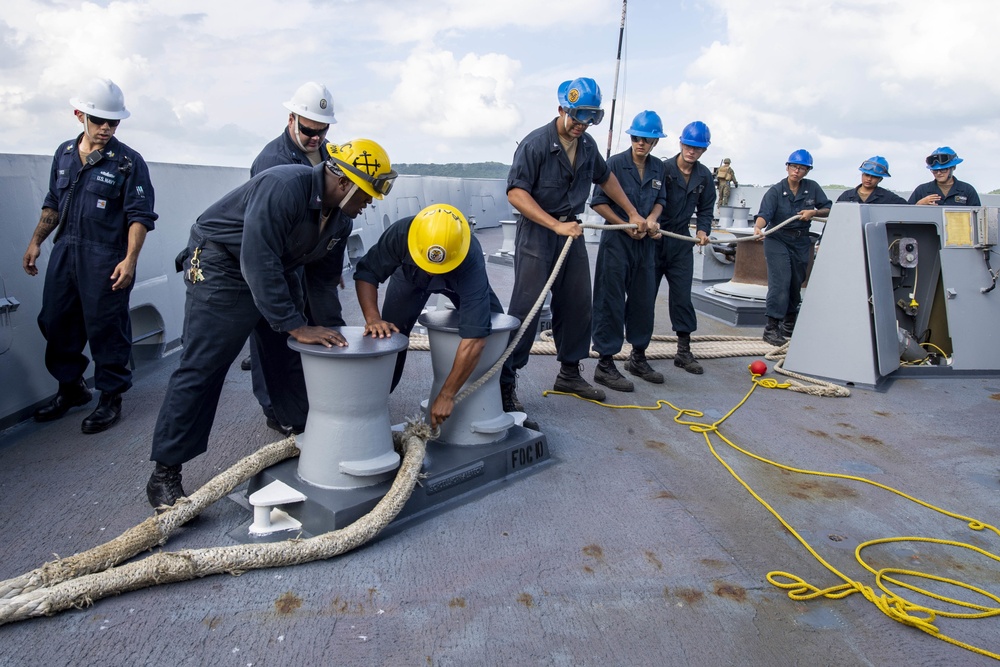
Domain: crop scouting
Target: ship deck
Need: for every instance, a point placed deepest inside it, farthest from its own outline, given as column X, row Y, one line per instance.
column 636, row 547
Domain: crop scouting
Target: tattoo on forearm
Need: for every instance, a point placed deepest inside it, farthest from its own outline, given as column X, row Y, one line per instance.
column 46, row 224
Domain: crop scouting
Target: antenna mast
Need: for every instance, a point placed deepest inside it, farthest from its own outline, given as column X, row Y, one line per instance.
column 618, row 64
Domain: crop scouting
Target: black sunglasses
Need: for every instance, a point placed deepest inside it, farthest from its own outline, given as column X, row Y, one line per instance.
column 309, row 132
column 112, row 122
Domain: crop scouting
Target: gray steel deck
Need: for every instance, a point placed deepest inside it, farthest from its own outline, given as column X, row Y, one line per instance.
column 635, row 548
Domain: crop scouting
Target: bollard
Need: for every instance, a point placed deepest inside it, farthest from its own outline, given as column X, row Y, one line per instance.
column 479, row 419
column 347, row 441
column 509, row 233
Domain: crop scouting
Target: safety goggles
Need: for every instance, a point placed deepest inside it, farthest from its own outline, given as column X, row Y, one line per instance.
column 586, row 115
column 97, row 122
column 939, row 159
column 382, row 183
column 310, row 132
column 872, row 166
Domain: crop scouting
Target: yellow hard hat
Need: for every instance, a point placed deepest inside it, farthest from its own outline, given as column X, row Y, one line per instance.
column 365, row 163
column 439, row 238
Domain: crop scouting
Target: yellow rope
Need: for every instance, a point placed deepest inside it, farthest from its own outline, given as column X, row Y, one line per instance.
column 889, row 602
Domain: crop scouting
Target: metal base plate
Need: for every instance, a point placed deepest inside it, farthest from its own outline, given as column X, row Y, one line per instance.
column 501, row 258
column 735, row 312
column 453, row 474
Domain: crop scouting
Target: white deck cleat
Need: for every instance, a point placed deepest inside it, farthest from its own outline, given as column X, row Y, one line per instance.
column 267, row 518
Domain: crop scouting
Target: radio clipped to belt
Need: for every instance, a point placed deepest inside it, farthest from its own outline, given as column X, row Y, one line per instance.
column 194, row 274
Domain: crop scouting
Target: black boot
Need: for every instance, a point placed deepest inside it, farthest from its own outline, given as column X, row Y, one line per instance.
column 772, row 332
column 788, row 324
column 607, row 374
column 105, row 415
column 570, row 381
column 684, row 359
column 70, row 395
column 639, row 367
column 508, row 396
column 164, row 486
column 283, row 429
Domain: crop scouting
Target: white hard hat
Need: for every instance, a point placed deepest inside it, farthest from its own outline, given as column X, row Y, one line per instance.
column 313, row 101
column 101, row 98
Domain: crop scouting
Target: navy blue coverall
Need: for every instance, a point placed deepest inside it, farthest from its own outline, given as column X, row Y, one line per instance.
column 879, row 196
column 675, row 258
column 541, row 168
column 787, row 250
column 97, row 203
column 252, row 245
column 625, row 278
column 410, row 286
column 960, row 194
column 283, row 150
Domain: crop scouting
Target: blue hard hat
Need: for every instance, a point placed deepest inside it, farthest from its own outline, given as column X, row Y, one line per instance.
column 581, row 100
column 696, row 134
column 942, row 158
column 801, row 157
column 646, row 124
column 876, row 166
column 582, row 92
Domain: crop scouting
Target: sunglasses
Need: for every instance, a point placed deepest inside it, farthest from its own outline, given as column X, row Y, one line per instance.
column 799, row 167
column 111, row 122
column 309, row 132
column 382, row 183
column 939, row 159
column 641, row 140
column 586, row 115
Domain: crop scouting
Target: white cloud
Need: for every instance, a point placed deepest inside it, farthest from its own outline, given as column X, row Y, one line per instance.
column 452, row 80
column 846, row 80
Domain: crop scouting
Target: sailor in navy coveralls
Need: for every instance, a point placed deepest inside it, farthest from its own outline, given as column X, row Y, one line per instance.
column 302, row 142
column 787, row 251
column 945, row 189
column 873, row 170
column 689, row 190
column 549, row 182
column 433, row 252
column 625, row 275
column 100, row 204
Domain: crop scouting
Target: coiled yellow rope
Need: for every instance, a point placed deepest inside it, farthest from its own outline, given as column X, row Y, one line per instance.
column 889, row 602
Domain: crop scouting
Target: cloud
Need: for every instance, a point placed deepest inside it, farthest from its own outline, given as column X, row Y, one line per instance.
column 846, row 80
column 452, row 80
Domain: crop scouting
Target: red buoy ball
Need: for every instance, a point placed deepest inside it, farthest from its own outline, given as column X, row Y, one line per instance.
column 758, row 367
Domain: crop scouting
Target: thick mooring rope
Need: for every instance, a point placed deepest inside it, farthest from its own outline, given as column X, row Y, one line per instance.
column 151, row 532
column 169, row 567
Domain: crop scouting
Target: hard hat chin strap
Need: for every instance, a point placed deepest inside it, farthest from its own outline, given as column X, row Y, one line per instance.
column 350, row 193
column 298, row 138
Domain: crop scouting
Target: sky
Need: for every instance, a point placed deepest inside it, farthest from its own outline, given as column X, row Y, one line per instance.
column 463, row 81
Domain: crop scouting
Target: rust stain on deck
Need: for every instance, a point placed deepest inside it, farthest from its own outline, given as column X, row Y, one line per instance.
column 287, row 603
column 731, row 591
column 823, row 489
column 689, row 595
